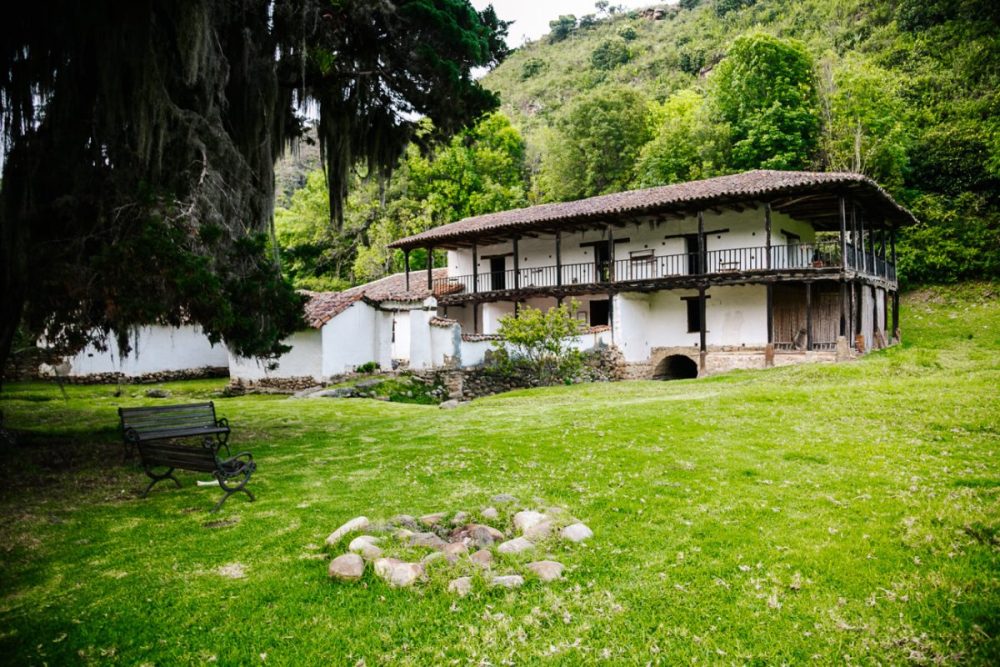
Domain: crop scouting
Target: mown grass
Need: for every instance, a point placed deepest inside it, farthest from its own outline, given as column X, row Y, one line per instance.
column 841, row 514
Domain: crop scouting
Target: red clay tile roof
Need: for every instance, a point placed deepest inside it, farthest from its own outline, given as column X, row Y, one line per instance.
column 748, row 186
column 324, row 306
column 443, row 322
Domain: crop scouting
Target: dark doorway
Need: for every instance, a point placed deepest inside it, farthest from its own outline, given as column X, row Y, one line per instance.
column 676, row 367
column 602, row 262
column 498, row 270
column 599, row 313
column 693, row 253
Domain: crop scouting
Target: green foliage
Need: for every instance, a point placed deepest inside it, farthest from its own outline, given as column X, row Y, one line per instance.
column 723, row 7
column 864, row 114
column 765, row 90
column 684, row 145
column 597, row 140
column 367, row 367
column 610, row 54
column 688, row 4
column 531, row 67
column 628, row 33
column 561, row 28
column 543, row 341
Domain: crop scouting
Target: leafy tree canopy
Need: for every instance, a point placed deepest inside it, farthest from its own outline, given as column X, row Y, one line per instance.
column 140, row 138
column 765, row 90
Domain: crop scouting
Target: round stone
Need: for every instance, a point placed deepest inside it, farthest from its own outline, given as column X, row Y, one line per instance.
column 508, row 581
column 354, row 525
column 526, row 519
column 461, row 586
column 515, row 546
column 577, row 532
column 546, row 570
column 348, row 567
column 490, row 513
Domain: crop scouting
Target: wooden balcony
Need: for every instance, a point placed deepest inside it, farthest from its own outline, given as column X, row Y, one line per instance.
column 651, row 272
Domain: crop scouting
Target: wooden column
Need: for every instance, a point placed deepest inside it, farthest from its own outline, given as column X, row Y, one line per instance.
column 406, row 267
column 861, row 243
column 701, row 330
column 559, row 260
column 843, row 234
column 475, row 268
column 767, row 233
column 874, row 314
column 850, row 314
column 892, row 250
column 854, row 235
column 611, row 253
column 430, row 269
column 859, row 301
column 517, row 309
column 517, row 271
column 475, row 317
column 809, row 316
column 701, row 242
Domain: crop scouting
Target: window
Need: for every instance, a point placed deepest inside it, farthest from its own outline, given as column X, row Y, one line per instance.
column 599, row 311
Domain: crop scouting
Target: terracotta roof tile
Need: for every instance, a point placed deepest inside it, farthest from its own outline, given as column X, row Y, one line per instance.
column 324, row 306
column 746, row 186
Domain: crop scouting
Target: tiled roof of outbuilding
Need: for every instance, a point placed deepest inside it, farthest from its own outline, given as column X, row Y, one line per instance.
column 324, row 306
column 744, row 187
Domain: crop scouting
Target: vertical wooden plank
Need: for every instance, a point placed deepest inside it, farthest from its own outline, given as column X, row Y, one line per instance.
column 701, row 242
column 702, row 329
column 611, row 253
column 430, row 268
column 475, row 268
column 843, row 234
column 843, row 308
column 517, row 271
column 809, row 317
column 895, row 313
column 475, row 317
column 861, row 243
column 767, row 232
column 406, row 266
column 559, row 260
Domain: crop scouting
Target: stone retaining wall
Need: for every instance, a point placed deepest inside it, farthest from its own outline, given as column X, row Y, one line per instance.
column 146, row 378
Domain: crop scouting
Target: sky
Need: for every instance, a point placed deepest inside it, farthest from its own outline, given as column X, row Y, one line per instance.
column 532, row 17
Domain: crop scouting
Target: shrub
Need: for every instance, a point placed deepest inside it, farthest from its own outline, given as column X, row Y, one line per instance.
column 367, row 367
column 610, row 54
column 531, row 67
column 541, row 341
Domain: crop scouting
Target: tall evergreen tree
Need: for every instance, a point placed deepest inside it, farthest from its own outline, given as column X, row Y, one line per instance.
column 140, row 137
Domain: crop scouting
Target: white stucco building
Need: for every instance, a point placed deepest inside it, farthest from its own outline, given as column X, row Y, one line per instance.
column 157, row 350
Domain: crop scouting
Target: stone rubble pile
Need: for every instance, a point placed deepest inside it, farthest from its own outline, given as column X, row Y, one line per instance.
column 465, row 547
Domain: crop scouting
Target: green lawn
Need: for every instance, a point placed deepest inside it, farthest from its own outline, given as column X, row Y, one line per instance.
column 822, row 514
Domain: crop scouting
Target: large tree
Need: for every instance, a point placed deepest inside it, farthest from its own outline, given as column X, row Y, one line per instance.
column 139, row 141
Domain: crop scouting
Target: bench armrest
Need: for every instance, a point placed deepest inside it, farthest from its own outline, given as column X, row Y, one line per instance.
column 222, row 423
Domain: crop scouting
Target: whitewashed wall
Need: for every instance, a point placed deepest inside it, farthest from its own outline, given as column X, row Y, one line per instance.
column 156, row 349
column 305, row 359
column 356, row 336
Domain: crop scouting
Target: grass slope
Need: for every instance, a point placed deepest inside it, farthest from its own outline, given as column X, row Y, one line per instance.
column 830, row 514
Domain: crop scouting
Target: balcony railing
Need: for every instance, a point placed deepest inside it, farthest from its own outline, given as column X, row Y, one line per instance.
column 735, row 260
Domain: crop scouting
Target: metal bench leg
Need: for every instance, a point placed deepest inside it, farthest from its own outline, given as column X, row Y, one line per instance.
column 159, row 478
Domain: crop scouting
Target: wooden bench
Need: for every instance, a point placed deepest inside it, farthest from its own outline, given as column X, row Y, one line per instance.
column 232, row 473
column 154, row 430
column 170, row 422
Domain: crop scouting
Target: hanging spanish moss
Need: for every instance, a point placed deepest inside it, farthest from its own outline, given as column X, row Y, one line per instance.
column 140, row 138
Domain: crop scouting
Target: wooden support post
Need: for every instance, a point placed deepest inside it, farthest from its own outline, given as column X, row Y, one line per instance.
column 517, row 309
column 843, row 237
column 475, row 268
column 850, row 312
column 475, row 317
column 874, row 315
column 861, row 243
column 859, row 301
column 892, row 250
column 517, row 271
column 559, row 261
column 430, row 269
column 406, row 267
column 702, row 330
column 809, row 317
column 854, row 237
column 701, row 242
column 611, row 254
column 767, row 233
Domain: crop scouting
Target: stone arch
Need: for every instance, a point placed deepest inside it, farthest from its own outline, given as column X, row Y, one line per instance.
column 676, row 367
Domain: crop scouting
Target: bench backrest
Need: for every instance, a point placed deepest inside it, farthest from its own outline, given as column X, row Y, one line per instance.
column 159, row 453
column 167, row 417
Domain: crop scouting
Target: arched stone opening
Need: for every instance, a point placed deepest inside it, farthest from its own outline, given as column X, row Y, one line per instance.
column 676, row 367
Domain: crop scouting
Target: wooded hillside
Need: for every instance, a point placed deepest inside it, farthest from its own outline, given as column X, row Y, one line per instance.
column 906, row 92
